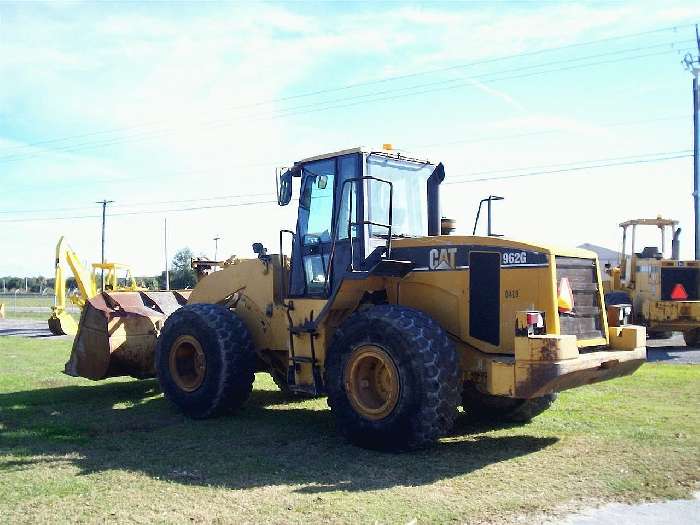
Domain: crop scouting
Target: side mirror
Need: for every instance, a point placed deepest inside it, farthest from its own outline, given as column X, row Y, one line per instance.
column 258, row 248
column 284, row 188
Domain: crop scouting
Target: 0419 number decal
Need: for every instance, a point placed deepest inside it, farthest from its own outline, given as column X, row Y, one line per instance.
column 514, row 258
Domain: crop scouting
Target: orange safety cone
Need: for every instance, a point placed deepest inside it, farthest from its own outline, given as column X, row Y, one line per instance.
column 566, row 297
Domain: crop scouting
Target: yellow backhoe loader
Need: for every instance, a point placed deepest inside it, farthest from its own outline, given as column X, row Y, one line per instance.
column 662, row 290
column 61, row 322
column 397, row 324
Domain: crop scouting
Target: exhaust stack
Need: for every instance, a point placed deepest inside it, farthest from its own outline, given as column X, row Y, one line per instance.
column 676, row 245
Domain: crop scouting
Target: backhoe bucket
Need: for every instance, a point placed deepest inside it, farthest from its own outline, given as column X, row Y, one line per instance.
column 118, row 331
column 62, row 323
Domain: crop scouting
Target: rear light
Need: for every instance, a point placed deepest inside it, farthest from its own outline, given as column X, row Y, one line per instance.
column 565, row 299
column 529, row 323
column 678, row 293
column 535, row 319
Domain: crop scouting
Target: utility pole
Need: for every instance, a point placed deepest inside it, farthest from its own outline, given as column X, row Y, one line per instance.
column 165, row 244
column 216, row 247
column 104, row 214
column 692, row 64
column 26, row 286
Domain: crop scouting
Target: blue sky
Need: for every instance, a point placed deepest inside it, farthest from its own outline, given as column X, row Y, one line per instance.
column 152, row 102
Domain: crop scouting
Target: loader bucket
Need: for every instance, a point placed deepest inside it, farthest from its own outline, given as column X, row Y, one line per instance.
column 61, row 323
column 118, row 331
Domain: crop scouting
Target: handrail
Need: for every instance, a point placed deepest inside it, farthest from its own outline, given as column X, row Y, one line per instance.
column 283, row 293
column 488, row 200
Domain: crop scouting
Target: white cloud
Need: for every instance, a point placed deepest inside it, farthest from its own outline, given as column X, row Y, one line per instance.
column 171, row 81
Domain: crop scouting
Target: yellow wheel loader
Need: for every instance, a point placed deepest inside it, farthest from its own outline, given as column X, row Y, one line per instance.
column 61, row 322
column 397, row 324
column 663, row 291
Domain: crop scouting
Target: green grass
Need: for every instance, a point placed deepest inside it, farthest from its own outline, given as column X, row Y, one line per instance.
column 32, row 306
column 28, row 315
column 32, row 300
column 73, row 450
column 36, row 315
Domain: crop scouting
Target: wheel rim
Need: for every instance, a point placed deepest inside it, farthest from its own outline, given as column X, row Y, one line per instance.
column 372, row 382
column 187, row 362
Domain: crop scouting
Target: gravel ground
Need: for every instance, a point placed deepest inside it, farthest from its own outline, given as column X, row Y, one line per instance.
column 678, row 512
column 26, row 328
column 671, row 350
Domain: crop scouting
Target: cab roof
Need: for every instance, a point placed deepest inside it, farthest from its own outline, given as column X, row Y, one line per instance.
column 361, row 149
column 659, row 221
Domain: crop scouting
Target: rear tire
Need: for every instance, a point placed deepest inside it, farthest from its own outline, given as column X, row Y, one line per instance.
column 393, row 379
column 485, row 407
column 205, row 360
column 692, row 337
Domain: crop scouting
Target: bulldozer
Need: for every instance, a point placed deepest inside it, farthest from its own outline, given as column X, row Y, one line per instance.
column 662, row 290
column 60, row 321
column 373, row 307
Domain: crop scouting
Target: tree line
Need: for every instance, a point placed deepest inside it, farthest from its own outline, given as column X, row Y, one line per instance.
column 180, row 271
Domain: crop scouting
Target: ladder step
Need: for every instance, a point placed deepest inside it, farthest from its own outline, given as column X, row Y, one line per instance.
column 301, row 359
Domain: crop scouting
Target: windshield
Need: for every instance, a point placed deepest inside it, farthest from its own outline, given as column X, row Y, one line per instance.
column 410, row 201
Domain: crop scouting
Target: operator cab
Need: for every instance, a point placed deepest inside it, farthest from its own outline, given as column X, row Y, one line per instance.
column 351, row 204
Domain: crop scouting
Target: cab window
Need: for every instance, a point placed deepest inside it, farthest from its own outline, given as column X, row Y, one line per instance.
column 315, row 223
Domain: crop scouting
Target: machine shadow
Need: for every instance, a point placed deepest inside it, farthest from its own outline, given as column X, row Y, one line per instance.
column 129, row 426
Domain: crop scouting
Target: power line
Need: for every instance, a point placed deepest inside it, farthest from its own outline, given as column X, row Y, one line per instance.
column 280, row 163
column 573, row 163
column 142, row 203
column 662, row 156
column 143, row 212
column 540, row 132
column 364, row 98
column 392, row 78
column 439, row 144
column 579, row 168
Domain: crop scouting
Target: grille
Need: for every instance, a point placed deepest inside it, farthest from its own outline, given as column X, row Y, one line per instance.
column 586, row 321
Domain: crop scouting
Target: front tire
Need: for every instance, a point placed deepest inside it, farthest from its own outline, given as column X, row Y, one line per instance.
column 205, row 360
column 392, row 377
column 485, row 407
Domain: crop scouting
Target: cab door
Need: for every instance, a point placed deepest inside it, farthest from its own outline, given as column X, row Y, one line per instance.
column 328, row 209
column 312, row 243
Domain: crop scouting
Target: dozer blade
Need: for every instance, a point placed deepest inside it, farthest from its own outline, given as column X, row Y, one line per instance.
column 117, row 333
column 61, row 323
